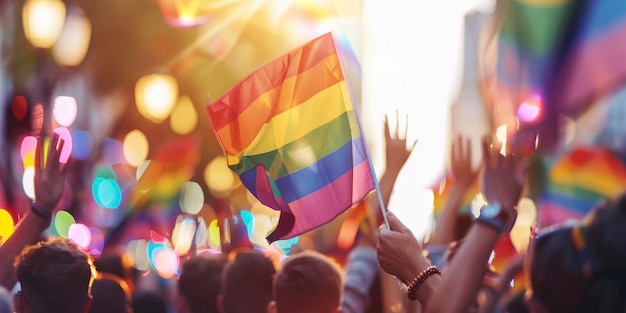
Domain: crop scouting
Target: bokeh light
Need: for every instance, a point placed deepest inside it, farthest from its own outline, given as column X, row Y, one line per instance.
column 28, row 182
column 285, row 245
column 155, row 96
column 106, row 192
column 65, row 110
column 80, row 235
column 186, row 13
column 202, row 234
column 526, row 217
column 166, row 263
column 82, row 145
column 214, row 235
column 73, row 43
column 62, row 222
column 347, row 233
column 218, row 177
column 191, row 198
column 29, row 143
column 137, row 253
column 19, row 107
column 135, row 147
column 42, row 21
column 530, row 109
column 64, row 134
column 184, row 117
column 7, row 225
column 183, row 234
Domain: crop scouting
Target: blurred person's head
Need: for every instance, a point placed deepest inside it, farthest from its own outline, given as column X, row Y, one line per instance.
column 148, row 302
column 110, row 294
column 6, row 301
column 55, row 276
column 249, row 273
column 200, row 282
column 307, row 283
column 119, row 265
column 582, row 268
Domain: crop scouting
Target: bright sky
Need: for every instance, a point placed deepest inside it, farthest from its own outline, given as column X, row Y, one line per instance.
column 411, row 60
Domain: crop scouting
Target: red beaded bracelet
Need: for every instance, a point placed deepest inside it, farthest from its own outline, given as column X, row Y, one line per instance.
column 419, row 280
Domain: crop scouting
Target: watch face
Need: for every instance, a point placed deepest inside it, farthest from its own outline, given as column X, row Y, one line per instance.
column 490, row 210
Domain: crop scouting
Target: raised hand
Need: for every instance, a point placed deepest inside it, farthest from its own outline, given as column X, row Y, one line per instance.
column 503, row 177
column 49, row 173
column 396, row 150
column 461, row 162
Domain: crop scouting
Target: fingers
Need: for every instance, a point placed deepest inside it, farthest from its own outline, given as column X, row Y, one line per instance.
column 52, row 159
column 486, row 152
column 38, row 154
column 387, row 134
column 467, row 151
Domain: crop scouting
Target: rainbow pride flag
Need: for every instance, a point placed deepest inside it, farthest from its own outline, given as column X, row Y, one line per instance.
column 578, row 182
column 568, row 53
column 289, row 130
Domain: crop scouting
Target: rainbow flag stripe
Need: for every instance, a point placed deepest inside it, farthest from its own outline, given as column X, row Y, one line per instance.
column 579, row 182
column 289, row 130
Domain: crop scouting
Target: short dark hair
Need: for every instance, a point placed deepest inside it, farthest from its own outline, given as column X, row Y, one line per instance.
column 249, row 274
column 308, row 282
column 200, row 281
column 55, row 276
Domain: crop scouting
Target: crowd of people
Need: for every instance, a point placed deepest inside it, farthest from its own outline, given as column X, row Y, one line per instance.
column 575, row 268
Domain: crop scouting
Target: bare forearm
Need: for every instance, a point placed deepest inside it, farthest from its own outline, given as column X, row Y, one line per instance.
column 26, row 233
column 444, row 232
column 465, row 273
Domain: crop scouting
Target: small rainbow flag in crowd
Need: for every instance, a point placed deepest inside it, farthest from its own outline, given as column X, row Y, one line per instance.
column 569, row 53
column 289, row 130
column 578, row 182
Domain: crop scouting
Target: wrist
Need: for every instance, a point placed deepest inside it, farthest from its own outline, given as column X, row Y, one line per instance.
column 497, row 217
column 40, row 210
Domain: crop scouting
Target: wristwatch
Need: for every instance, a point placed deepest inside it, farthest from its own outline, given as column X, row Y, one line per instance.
column 494, row 216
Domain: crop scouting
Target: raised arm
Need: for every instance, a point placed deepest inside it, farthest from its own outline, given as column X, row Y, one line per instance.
column 49, row 183
column 502, row 188
column 464, row 176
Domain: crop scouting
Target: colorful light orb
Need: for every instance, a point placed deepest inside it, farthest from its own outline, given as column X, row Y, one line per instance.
column 218, row 177
column 202, row 234
column 155, row 96
column 137, row 253
column 185, row 13
column 530, row 109
column 347, row 233
column 28, row 182
column 106, row 192
column 42, row 21
column 19, row 107
column 135, row 147
column 29, row 144
column 64, row 134
column 62, row 222
column 82, row 145
column 214, row 235
column 73, row 43
column 526, row 218
column 184, row 117
column 191, row 198
column 96, row 246
column 141, row 168
column 7, row 225
column 166, row 263
column 183, row 234
column 65, row 110
column 29, row 159
column 80, row 235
